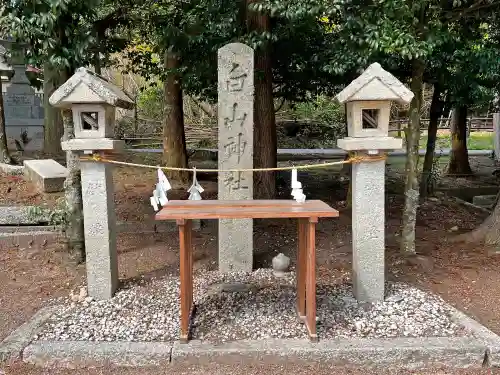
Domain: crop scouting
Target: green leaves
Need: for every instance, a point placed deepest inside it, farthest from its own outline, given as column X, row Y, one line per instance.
column 63, row 32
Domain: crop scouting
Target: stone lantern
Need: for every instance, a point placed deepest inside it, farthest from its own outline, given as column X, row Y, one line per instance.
column 93, row 101
column 17, row 51
column 368, row 102
column 6, row 69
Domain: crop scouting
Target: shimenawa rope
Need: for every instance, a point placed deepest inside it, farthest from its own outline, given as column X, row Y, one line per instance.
column 351, row 160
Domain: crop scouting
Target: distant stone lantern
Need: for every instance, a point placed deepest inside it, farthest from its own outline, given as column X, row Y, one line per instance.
column 93, row 101
column 17, row 57
column 368, row 101
column 6, row 69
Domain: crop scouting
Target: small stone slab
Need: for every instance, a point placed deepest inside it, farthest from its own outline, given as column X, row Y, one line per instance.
column 47, row 174
column 82, row 354
column 20, row 215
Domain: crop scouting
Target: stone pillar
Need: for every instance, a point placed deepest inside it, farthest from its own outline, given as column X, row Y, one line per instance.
column 100, row 229
column 236, row 97
column 368, row 229
column 496, row 135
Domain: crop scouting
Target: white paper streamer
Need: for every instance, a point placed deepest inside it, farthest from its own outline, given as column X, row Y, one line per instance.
column 160, row 193
column 195, row 190
column 163, row 180
column 297, row 192
column 154, row 203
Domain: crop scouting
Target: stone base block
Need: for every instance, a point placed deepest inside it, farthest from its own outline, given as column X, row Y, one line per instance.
column 93, row 144
column 47, row 174
column 370, row 143
column 31, row 134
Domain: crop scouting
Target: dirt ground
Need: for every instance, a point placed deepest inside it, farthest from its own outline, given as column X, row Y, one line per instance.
column 464, row 275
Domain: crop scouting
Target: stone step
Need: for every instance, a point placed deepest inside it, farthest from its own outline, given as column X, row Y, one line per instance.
column 10, row 241
column 11, row 170
column 47, row 174
column 484, row 200
column 20, row 215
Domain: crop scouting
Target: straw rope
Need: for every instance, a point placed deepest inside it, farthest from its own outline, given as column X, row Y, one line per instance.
column 351, row 160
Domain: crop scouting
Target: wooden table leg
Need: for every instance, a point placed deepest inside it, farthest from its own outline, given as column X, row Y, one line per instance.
column 186, row 280
column 189, row 246
column 301, row 267
column 311, row 279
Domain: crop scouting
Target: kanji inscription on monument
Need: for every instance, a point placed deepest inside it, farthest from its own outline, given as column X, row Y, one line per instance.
column 236, row 146
column 236, row 97
column 237, row 116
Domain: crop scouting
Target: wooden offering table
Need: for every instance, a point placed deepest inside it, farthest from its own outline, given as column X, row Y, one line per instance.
column 307, row 214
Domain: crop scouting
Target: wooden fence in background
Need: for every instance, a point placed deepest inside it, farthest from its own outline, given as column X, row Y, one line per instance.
column 198, row 133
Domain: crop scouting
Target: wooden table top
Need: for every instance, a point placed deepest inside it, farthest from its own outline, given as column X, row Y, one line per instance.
column 244, row 209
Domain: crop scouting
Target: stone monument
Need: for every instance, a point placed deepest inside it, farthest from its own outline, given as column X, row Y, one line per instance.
column 368, row 104
column 24, row 114
column 236, row 98
column 93, row 101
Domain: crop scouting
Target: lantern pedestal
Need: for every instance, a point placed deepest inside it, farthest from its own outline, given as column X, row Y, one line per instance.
column 100, row 229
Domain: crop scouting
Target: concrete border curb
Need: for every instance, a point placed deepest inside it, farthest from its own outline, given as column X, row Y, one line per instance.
column 409, row 353
column 491, row 339
column 12, row 346
column 81, row 354
column 476, row 351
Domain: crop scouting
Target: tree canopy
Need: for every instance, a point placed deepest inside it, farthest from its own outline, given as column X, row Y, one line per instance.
column 314, row 46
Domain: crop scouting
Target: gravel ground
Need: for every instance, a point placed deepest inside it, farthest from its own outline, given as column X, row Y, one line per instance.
column 246, row 306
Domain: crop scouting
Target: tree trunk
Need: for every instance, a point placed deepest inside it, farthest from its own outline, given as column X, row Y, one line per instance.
column 488, row 232
column 4, row 151
column 412, row 140
column 174, row 138
column 53, row 125
column 347, row 167
column 97, row 57
column 459, row 157
column 436, row 112
column 265, row 141
column 75, row 236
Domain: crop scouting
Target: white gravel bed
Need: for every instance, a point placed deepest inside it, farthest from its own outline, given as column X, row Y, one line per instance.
column 247, row 306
